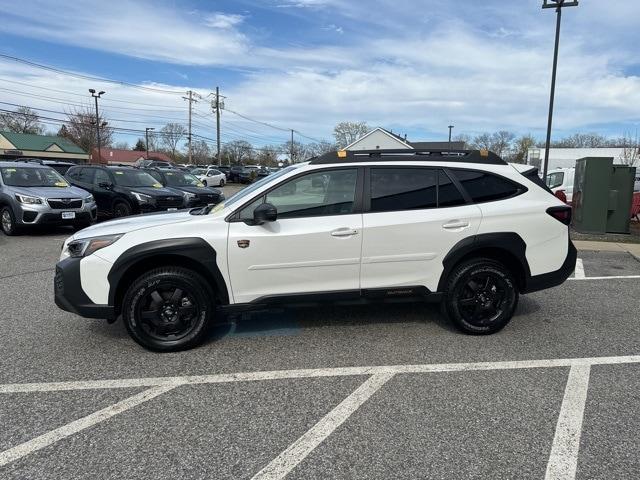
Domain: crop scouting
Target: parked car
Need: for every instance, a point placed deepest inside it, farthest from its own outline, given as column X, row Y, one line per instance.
column 58, row 165
column 34, row 194
column 560, row 181
column 210, row 177
column 120, row 191
column 467, row 230
column 150, row 163
column 196, row 193
column 226, row 169
column 234, row 173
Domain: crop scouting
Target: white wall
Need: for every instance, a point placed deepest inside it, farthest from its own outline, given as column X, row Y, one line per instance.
column 566, row 157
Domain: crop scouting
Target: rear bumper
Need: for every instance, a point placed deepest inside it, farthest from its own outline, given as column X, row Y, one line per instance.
column 69, row 295
column 553, row 279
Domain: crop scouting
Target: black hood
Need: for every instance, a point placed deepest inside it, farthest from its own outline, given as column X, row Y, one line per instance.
column 199, row 190
column 157, row 192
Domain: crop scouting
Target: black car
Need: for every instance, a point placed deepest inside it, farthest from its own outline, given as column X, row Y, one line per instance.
column 195, row 192
column 226, row 169
column 120, row 191
column 234, row 173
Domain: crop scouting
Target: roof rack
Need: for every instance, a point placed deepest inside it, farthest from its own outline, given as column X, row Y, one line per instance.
column 29, row 160
column 462, row 156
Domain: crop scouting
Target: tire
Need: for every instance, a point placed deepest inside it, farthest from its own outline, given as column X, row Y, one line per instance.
column 481, row 296
column 221, row 183
column 152, row 306
column 204, row 182
column 8, row 222
column 121, row 209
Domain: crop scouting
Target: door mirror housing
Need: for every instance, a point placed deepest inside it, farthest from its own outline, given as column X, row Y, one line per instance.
column 264, row 212
column 105, row 185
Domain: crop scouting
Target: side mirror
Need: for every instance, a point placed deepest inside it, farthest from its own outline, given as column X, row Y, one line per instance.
column 105, row 185
column 265, row 212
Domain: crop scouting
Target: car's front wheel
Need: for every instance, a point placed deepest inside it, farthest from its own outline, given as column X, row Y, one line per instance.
column 204, row 182
column 8, row 221
column 481, row 296
column 221, row 182
column 121, row 209
column 168, row 309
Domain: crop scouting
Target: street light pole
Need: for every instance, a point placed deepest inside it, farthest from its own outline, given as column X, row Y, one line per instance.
column 96, row 97
column 450, row 128
column 146, row 137
column 558, row 5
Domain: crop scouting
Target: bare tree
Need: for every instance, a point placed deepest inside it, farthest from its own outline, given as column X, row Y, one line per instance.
column 121, row 145
column 200, row 152
column 237, row 151
column 171, row 135
column 80, row 128
column 300, row 151
column 582, row 140
column 521, row 148
column 320, row 148
column 268, row 156
column 499, row 142
column 630, row 150
column 346, row 133
column 22, row 120
column 464, row 138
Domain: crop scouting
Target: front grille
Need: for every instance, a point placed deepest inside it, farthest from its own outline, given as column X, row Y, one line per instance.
column 209, row 198
column 169, row 202
column 64, row 203
column 59, row 281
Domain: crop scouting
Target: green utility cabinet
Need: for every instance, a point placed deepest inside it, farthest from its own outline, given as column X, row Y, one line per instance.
column 602, row 196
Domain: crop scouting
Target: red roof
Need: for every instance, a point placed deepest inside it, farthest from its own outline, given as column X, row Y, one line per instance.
column 113, row 155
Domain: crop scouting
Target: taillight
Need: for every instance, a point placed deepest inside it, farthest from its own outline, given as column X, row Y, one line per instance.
column 562, row 214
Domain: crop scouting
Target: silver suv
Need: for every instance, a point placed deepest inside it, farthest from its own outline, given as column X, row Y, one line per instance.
column 34, row 194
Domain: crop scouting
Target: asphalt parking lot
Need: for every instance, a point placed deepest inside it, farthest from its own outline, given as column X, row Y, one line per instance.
column 337, row 392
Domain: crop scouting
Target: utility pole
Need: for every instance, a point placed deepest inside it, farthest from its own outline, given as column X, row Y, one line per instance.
column 450, row 128
column 146, row 137
column 558, row 5
column 190, row 99
column 291, row 154
column 96, row 97
column 218, row 127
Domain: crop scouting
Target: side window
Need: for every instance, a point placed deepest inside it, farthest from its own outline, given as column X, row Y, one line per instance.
column 330, row 192
column 73, row 173
column 403, row 189
column 156, row 175
column 486, row 187
column 448, row 193
column 86, row 175
column 101, row 177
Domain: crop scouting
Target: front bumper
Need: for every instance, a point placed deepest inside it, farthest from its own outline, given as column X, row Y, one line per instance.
column 69, row 295
column 45, row 215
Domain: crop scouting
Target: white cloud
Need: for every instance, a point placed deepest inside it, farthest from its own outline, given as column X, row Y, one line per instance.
column 223, row 20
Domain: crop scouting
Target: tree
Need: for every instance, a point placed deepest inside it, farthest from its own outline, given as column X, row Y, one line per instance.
column 630, row 150
column 171, row 135
column 521, row 148
column 200, row 152
column 140, row 146
column 319, row 148
column 582, row 140
column 237, row 152
column 500, row 142
column 80, row 128
column 300, row 151
column 22, row 120
column 346, row 133
column 268, row 156
column 464, row 138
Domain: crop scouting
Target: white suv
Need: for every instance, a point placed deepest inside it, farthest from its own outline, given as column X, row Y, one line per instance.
column 462, row 228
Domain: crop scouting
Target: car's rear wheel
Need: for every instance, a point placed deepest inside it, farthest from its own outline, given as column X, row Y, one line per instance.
column 221, row 182
column 168, row 309
column 481, row 296
column 121, row 209
column 8, row 221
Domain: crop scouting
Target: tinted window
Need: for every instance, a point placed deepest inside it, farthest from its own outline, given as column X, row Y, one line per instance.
column 101, row 177
column 128, row 177
column 403, row 189
column 73, row 173
column 85, row 175
column 32, row 177
column 448, row 193
column 321, row 193
column 156, row 175
column 485, row 187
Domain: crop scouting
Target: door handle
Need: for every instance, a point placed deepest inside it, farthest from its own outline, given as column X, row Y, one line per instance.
column 453, row 224
column 344, row 232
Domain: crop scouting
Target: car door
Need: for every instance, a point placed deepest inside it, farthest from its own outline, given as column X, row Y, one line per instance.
column 103, row 195
column 314, row 245
column 413, row 217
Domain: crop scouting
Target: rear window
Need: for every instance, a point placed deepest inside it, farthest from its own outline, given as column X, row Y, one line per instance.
column 486, row 187
column 403, row 189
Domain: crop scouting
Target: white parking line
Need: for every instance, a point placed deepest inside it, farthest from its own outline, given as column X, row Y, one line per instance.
column 563, row 460
column 579, row 271
column 301, row 448
column 310, row 373
column 612, row 277
column 69, row 429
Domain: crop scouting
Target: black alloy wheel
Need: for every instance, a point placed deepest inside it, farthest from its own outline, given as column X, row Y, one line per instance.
column 168, row 309
column 121, row 209
column 481, row 296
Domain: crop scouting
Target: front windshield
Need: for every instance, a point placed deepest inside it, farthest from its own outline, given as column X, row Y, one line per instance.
column 198, row 171
column 32, row 177
column 254, row 186
column 182, row 179
column 134, row 178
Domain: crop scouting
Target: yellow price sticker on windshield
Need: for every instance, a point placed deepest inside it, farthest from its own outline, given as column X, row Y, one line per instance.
column 11, row 170
column 119, row 173
column 157, row 185
column 61, row 184
column 199, row 184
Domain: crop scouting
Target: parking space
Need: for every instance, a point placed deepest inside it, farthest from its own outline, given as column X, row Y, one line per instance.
column 333, row 392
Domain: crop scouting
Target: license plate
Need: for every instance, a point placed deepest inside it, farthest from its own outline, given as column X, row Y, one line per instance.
column 68, row 215
column 172, row 209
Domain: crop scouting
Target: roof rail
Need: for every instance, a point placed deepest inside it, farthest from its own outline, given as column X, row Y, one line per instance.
column 29, row 160
column 462, row 156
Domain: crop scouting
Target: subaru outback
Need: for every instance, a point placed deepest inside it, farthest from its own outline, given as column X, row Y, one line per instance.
column 462, row 228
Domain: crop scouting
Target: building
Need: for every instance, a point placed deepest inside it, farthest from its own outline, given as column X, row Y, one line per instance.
column 116, row 156
column 47, row 147
column 566, row 157
column 382, row 139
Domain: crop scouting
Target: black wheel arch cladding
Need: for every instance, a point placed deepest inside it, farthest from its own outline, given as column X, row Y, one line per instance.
column 192, row 251
column 509, row 244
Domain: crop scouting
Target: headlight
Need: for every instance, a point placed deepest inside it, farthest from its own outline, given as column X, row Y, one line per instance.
column 86, row 246
column 89, row 199
column 26, row 199
column 189, row 196
column 141, row 197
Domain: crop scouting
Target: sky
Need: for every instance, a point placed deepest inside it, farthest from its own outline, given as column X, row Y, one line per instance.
column 413, row 67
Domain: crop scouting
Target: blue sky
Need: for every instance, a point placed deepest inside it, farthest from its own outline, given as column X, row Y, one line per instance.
column 414, row 67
